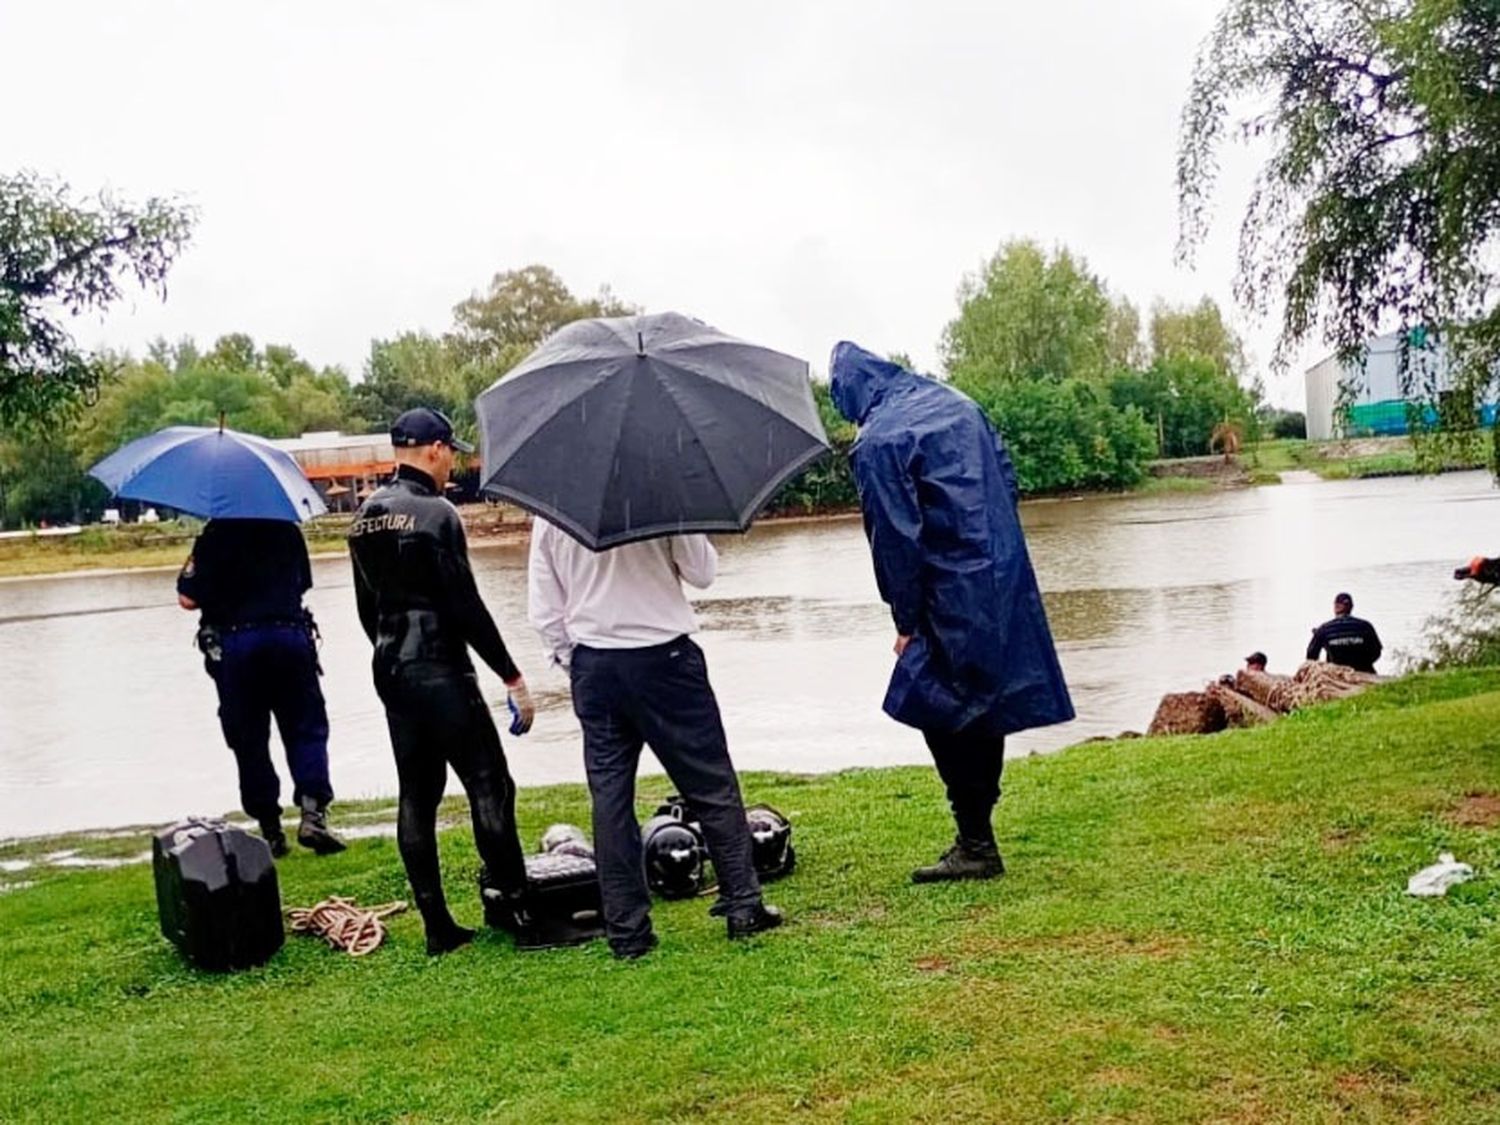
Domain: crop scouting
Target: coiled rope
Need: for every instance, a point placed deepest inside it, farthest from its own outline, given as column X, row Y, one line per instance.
column 344, row 924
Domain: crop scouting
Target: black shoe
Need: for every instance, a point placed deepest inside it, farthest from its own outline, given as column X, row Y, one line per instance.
column 966, row 859
column 758, row 921
column 270, row 831
column 448, row 938
column 313, row 832
column 635, row 952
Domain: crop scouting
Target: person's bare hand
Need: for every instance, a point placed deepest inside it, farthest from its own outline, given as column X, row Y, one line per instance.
column 901, row 643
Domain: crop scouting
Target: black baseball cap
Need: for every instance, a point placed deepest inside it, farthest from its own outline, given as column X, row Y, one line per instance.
column 1256, row 658
column 425, row 426
column 1343, row 599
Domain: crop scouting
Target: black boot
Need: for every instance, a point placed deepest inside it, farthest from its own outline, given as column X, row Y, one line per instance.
column 443, row 934
column 270, row 830
column 757, row 921
column 966, row 859
column 445, row 937
column 313, row 832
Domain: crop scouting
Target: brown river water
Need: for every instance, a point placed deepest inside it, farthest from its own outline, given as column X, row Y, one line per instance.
column 106, row 716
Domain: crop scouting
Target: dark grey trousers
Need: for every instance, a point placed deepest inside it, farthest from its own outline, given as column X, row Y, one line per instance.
column 970, row 763
column 658, row 696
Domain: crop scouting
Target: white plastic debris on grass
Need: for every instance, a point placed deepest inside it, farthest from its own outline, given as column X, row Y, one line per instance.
column 1434, row 881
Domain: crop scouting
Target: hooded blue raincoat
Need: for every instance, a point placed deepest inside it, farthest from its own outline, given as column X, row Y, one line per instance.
column 939, row 498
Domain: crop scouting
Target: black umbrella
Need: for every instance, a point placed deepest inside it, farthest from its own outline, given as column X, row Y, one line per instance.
column 633, row 427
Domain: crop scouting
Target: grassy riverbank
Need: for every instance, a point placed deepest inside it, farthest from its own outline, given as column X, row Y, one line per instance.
column 1192, row 929
column 130, row 546
column 1356, row 459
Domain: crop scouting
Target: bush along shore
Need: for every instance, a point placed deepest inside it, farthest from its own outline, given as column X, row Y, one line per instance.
column 1191, row 928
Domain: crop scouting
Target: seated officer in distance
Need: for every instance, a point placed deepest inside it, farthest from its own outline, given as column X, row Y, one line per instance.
column 1348, row 640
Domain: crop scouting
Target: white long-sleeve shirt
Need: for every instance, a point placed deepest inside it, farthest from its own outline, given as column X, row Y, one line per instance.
column 626, row 597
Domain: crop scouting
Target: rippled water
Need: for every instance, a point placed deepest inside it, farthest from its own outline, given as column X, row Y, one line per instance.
column 107, row 718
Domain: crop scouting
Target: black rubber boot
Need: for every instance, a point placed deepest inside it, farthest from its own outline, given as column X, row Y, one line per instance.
column 313, row 832
column 966, row 859
column 443, row 934
column 758, row 921
column 271, row 832
column 445, row 938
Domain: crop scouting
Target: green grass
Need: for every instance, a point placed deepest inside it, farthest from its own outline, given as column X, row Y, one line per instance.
column 1191, row 929
column 1343, row 461
column 101, row 547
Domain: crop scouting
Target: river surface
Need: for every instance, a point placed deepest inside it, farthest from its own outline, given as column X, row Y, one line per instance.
column 106, row 716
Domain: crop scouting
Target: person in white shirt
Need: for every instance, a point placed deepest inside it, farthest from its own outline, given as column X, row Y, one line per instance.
column 619, row 623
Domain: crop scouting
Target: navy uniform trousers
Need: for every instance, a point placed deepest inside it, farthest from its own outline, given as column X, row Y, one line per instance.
column 272, row 670
column 657, row 696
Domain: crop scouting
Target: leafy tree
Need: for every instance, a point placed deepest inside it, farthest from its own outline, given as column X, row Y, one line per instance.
column 1126, row 352
column 1030, row 315
column 827, row 483
column 274, row 393
column 1379, row 200
column 41, row 480
column 1067, row 435
column 1196, row 332
column 520, row 309
column 1183, row 399
column 1282, row 423
column 58, row 258
column 410, row 370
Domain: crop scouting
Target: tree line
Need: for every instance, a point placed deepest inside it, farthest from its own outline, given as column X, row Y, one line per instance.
column 1084, row 394
column 1376, row 206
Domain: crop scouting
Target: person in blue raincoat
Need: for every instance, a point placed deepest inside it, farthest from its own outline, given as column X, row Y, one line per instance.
column 975, row 658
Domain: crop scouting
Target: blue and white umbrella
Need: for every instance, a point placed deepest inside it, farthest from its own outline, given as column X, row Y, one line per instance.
column 213, row 473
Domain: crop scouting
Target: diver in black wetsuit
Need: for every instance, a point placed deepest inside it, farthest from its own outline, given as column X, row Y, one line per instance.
column 419, row 605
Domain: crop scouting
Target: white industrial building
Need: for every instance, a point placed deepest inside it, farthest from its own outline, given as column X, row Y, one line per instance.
column 1374, row 400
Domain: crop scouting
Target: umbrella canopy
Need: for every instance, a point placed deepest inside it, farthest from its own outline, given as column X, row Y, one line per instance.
column 212, row 473
column 629, row 428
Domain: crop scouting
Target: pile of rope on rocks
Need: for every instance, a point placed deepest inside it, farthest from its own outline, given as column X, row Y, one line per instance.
column 1249, row 699
column 344, row 924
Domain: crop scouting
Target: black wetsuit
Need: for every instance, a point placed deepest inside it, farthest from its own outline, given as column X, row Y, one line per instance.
column 419, row 605
column 247, row 578
column 1350, row 641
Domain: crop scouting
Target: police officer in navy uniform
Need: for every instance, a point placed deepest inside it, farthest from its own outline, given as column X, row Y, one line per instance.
column 246, row 578
column 1348, row 640
column 422, row 611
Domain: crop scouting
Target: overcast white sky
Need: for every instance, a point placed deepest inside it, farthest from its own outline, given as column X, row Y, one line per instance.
column 794, row 173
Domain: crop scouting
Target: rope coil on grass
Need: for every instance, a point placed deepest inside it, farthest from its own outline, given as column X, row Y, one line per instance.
column 344, row 924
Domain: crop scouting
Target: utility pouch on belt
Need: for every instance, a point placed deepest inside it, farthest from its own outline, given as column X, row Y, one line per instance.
column 210, row 644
